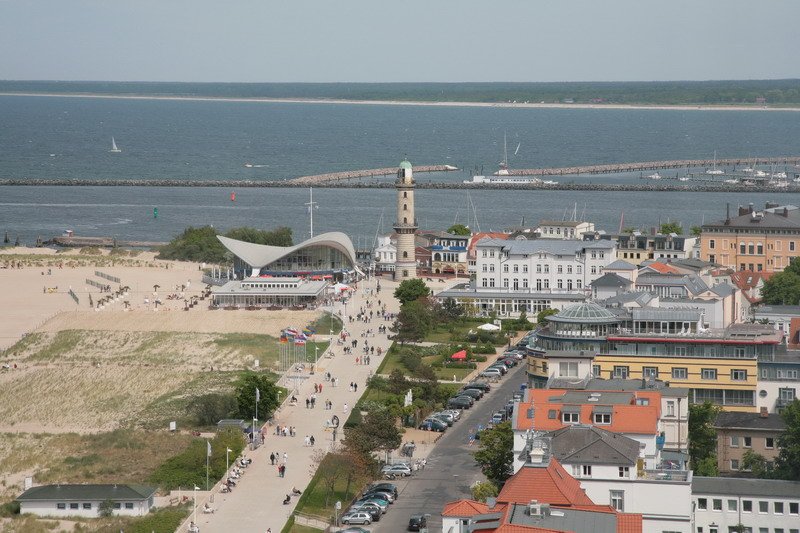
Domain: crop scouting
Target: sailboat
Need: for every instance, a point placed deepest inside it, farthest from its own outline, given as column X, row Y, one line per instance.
column 517, row 150
column 504, row 163
column 114, row 149
column 714, row 170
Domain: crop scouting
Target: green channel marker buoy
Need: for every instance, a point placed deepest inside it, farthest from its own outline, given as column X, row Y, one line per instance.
column 155, row 212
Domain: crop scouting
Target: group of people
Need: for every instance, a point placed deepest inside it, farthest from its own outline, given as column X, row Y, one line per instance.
column 284, row 431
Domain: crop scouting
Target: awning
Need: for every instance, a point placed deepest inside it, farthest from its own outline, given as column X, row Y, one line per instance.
column 459, row 355
column 489, row 327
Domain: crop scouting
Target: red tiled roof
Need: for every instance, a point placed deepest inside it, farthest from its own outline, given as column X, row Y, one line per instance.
column 519, row 528
column 465, row 508
column 483, row 235
column 747, row 281
column 662, row 268
column 629, row 523
column 551, row 484
column 625, row 418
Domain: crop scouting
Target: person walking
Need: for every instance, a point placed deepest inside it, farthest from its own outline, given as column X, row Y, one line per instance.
column 345, row 408
column 285, row 457
column 272, row 458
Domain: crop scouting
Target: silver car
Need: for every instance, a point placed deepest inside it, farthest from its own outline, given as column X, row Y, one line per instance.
column 356, row 517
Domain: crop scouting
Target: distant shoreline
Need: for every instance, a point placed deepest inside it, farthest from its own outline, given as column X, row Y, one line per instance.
column 520, row 105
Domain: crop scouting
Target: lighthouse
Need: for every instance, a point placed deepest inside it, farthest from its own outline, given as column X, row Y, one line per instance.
column 406, row 224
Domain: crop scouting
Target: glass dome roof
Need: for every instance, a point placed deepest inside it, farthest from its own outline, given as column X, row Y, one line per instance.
column 585, row 313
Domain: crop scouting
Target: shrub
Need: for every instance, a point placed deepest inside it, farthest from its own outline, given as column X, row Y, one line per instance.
column 90, row 250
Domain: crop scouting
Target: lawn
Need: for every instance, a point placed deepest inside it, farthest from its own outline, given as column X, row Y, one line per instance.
column 320, row 497
column 448, row 373
column 457, row 331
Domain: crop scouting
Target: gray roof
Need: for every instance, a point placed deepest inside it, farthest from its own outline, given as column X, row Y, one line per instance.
column 619, row 264
column 790, row 310
column 584, row 313
column 516, row 295
column 692, row 282
column 565, row 519
column 640, row 297
column 549, row 246
column 610, row 279
column 582, row 444
column 261, row 255
column 662, row 313
column 723, row 289
column 769, row 488
column 87, row 492
column 730, row 420
column 565, row 223
column 768, row 220
column 692, row 263
column 234, row 288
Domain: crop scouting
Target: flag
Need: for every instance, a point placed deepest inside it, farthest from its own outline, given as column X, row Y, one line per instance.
column 284, row 338
column 298, row 340
column 197, row 488
column 228, row 450
column 208, row 449
column 258, row 395
column 301, row 337
column 291, row 331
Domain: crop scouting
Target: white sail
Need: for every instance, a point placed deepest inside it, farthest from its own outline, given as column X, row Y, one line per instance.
column 114, row 148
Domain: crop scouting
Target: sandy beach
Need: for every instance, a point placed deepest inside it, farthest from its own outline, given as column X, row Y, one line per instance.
column 519, row 105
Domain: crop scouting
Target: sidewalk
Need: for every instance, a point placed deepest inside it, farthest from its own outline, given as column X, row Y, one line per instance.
column 256, row 503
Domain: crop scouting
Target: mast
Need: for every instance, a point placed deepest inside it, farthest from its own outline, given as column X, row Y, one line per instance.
column 311, row 206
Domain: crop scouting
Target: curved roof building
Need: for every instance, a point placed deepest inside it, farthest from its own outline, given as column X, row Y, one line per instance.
column 326, row 254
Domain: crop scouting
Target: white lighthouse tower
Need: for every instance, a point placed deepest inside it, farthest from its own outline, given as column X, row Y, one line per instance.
column 406, row 224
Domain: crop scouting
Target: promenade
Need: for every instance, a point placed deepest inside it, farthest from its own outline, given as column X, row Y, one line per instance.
column 256, row 503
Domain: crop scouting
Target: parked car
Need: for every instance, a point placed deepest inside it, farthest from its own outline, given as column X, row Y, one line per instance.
column 455, row 412
column 480, row 385
column 472, row 393
column 500, row 367
column 444, row 417
column 491, row 373
column 508, row 361
column 417, row 522
column 386, row 487
column 388, row 496
column 357, row 517
column 461, row 402
column 433, row 424
column 376, row 500
column 372, row 510
column 498, row 417
column 397, row 469
column 518, row 396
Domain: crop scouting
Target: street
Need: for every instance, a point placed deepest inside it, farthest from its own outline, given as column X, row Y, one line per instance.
column 451, row 468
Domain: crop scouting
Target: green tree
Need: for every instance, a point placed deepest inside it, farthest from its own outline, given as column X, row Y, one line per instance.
column 410, row 290
column 707, row 466
column 451, row 310
column 696, row 231
column 459, row 229
column 787, row 464
column 377, row 433
column 201, row 244
column 483, row 490
column 783, row 288
column 671, row 227
column 542, row 316
column 757, row 464
column 246, row 395
column 105, row 508
column 209, row 409
column 496, row 455
column 702, row 437
column 413, row 322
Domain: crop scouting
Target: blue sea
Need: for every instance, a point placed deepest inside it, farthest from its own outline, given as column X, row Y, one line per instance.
column 62, row 138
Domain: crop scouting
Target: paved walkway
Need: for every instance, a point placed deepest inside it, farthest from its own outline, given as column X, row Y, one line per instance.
column 256, row 503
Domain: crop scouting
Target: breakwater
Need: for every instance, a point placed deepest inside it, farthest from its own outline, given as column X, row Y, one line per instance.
column 646, row 186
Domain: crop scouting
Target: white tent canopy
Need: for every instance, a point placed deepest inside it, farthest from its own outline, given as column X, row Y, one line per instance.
column 489, row 327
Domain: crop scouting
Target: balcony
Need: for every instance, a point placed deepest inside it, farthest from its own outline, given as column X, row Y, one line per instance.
column 665, row 475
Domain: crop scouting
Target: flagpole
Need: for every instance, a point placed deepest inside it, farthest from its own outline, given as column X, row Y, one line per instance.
column 208, row 454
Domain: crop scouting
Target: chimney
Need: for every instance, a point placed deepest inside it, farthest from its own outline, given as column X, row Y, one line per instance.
column 764, row 413
column 536, row 455
column 743, row 210
column 727, row 213
column 491, row 502
column 786, row 212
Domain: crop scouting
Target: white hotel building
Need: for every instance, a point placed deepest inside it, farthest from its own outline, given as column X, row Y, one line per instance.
column 533, row 274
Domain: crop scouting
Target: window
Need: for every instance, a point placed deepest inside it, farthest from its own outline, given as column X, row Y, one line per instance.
column 739, row 352
column 716, row 504
column 763, row 507
column 568, row 369
column 621, row 372
column 748, row 442
column 747, row 506
column 484, row 268
column 734, row 442
column 73, row 506
column 680, row 373
column 594, row 270
column 760, row 248
column 711, row 244
column 586, row 470
column 579, row 269
column 778, row 506
column 734, row 464
column 560, row 269
column 702, row 504
column 61, row 506
column 618, row 500
column 709, row 373
column 560, row 283
column 525, row 268
column 791, row 246
column 570, row 418
column 505, row 268
column 738, row 374
column 624, row 471
column 516, row 268
column 650, row 372
column 569, row 269
column 596, row 371
column 732, row 505
column 670, row 408
column 87, row 505
column 793, row 508
column 117, row 505
column 128, row 505
column 602, row 418
column 769, row 442
column 547, row 269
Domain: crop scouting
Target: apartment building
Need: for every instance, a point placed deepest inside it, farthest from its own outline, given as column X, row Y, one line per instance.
column 765, row 240
column 738, row 433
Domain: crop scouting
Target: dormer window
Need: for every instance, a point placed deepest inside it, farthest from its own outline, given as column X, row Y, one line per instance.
column 570, row 418
column 602, row 418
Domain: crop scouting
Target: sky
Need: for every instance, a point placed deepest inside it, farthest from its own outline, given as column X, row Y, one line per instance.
column 398, row 41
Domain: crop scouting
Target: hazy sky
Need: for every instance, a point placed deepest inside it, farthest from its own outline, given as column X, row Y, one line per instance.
column 399, row 40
